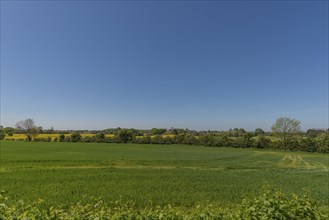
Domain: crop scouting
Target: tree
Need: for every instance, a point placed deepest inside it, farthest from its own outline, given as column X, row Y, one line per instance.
column 158, row 131
column 259, row 131
column 27, row 127
column 125, row 135
column 8, row 130
column 313, row 133
column 40, row 130
column 285, row 128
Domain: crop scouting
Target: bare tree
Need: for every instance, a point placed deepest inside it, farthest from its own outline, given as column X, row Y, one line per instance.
column 286, row 127
column 27, row 127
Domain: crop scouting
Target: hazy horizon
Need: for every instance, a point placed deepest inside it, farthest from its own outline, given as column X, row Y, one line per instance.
column 202, row 65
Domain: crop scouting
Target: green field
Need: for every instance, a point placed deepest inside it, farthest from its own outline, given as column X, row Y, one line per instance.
column 62, row 173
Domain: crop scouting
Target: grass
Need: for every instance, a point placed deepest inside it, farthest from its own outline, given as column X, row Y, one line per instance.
column 61, row 173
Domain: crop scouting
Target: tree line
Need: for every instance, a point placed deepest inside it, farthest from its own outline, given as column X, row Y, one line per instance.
column 286, row 134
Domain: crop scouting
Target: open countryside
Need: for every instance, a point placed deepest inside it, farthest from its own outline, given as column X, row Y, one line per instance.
column 164, row 110
column 159, row 168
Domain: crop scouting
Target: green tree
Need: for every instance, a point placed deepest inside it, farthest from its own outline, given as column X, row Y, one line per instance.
column 40, row 130
column 158, row 131
column 259, row 131
column 313, row 133
column 8, row 130
column 285, row 128
column 125, row 135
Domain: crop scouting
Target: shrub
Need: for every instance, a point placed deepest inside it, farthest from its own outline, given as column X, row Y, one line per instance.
column 61, row 138
column 208, row 140
column 100, row 137
column 142, row 140
column 190, row 139
column 276, row 205
column 308, row 144
column 157, row 139
column 67, row 138
column 322, row 143
column 89, row 139
column 75, row 137
column 262, row 142
column 2, row 135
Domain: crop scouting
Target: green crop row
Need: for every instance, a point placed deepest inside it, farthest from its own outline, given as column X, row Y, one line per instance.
column 268, row 205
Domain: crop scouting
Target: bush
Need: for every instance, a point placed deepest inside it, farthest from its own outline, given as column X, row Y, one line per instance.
column 67, row 139
column 190, row 139
column 157, row 139
column 2, row 135
column 207, row 140
column 308, row 144
column 142, row 140
column 100, row 137
column 88, row 139
column 262, row 142
column 75, row 137
column 276, row 205
column 322, row 143
column 61, row 138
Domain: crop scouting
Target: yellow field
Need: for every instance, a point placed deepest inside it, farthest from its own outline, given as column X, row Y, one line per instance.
column 168, row 135
column 52, row 136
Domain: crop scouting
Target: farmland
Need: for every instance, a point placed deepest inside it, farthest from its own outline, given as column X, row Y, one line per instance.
column 62, row 173
column 52, row 136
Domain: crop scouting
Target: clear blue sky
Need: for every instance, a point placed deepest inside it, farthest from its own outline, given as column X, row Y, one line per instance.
column 187, row 64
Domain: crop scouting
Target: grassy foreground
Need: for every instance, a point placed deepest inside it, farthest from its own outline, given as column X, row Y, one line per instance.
column 62, row 173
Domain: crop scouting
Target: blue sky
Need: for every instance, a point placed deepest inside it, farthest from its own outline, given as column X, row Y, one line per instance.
column 187, row 64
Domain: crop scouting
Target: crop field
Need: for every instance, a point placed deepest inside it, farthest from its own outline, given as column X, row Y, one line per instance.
column 52, row 136
column 63, row 173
